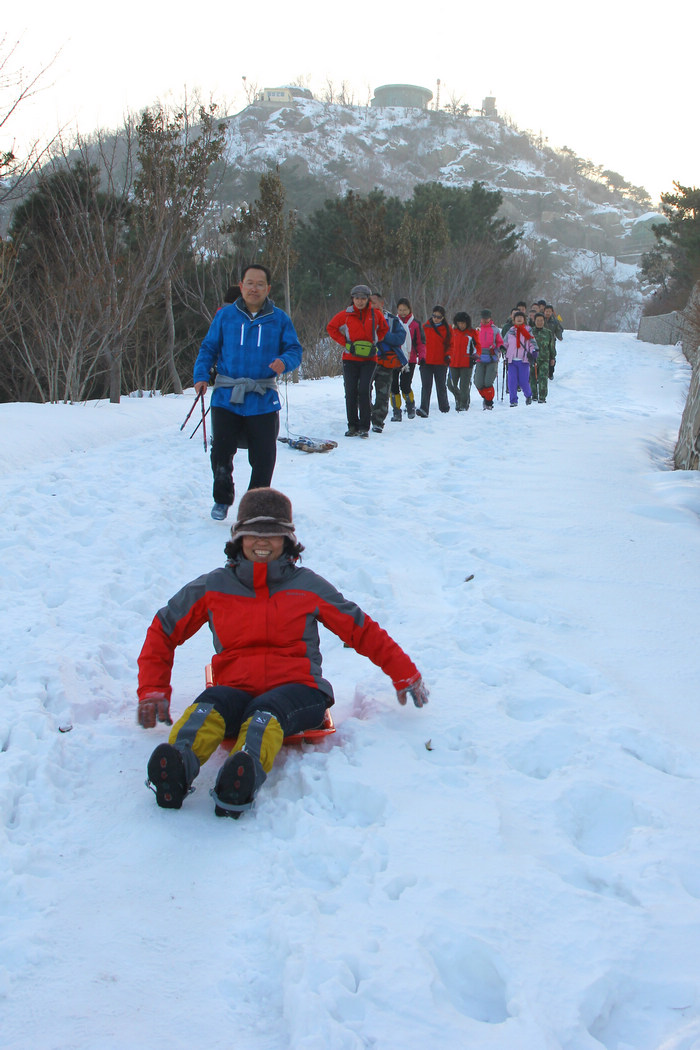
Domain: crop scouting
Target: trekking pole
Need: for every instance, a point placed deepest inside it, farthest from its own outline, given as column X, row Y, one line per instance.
column 503, row 382
column 191, row 411
column 205, row 414
column 204, row 425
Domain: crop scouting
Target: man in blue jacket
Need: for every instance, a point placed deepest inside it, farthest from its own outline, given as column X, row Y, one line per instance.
column 251, row 342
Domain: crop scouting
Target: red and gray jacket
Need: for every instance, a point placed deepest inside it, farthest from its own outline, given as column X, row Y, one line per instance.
column 465, row 348
column 264, row 619
column 352, row 325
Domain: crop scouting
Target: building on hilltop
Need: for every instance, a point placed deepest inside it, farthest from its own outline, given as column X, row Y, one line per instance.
column 488, row 107
column 280, row 96
column 409, row 96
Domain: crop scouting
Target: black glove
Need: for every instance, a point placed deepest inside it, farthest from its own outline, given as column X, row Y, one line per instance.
column 551, row 371
column 153, row 706
column 418, row 692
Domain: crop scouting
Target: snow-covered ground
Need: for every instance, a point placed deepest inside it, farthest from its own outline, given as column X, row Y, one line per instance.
column 514, row 867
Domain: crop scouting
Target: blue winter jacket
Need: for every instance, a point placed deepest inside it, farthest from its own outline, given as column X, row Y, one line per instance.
column 393, row 341
column 242, row 347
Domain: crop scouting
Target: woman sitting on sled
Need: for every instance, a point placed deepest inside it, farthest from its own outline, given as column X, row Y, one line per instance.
column 263, row 611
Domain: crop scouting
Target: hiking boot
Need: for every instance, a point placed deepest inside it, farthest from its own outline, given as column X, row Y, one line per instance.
column 422, row 413
column 167, row 776
column 528, row 400
column 351, row 432
column 239, row 778
column 396, row 416
column 411, row 410
column 543, row 400
column 488, row 404
column 364, row 433
column 377, row 429
column 219, row 511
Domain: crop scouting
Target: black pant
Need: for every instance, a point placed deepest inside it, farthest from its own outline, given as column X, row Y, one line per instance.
column 231, row 432
column 401, row 381
column 357, row 377
column 296, row 707
column 426, row 379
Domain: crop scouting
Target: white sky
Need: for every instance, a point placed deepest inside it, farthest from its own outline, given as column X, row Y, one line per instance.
column 600, row 79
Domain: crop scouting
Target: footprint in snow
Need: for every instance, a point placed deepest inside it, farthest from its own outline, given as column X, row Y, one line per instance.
column 550, row 750
column 599, row 820
column 619, row 1010
column 470, row 976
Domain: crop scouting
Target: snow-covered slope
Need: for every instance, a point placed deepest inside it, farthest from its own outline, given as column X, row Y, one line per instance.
column 515, row 866
column 359, row 147
column 586, row 235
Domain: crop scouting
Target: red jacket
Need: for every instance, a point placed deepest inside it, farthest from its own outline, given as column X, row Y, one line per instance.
column 264, row 619
column 351, row 325
column 462, row 355
column 438, row 340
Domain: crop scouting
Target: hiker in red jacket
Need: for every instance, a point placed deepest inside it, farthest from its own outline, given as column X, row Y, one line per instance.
column 463, row 355
column 263, row 611
column 438, row 340
column 358, row 329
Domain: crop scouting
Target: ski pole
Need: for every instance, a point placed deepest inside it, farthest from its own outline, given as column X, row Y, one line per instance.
column 191, row 410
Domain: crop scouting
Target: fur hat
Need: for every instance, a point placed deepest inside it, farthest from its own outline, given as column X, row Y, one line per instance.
column 264, row 512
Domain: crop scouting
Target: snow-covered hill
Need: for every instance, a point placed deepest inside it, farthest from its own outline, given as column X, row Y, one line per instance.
column 576, row 224
column 514, row 866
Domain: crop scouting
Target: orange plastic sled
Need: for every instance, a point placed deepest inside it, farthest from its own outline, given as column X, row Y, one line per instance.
column 311, row 735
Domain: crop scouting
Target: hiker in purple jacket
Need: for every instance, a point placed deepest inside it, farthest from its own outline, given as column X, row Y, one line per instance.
column 521, row 351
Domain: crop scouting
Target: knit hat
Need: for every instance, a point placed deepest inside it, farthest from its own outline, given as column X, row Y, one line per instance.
column 264, row 512
column 360, row 289
column 485, row 314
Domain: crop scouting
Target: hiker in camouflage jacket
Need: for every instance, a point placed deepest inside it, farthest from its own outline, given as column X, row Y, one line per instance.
column 539, row 371
column 554, row 324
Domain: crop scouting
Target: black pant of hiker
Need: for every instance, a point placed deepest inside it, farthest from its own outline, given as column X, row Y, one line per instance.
column 401, row 381
column 357, row 377
column 439, row 373
column 232, row 431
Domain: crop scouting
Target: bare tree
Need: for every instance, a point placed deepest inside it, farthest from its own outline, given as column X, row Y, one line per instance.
column 328, row 95
column 100, row 238
column 15, row 89
column 251, row 89
column 454, row 106
column 171, row 193
column 346, row 95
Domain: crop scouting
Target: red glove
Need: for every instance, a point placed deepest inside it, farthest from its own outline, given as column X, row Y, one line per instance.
column 418, row 692
column 154, row 705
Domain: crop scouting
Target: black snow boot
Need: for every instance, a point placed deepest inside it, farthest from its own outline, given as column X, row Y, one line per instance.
column 239, row 778
column 167, row 776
